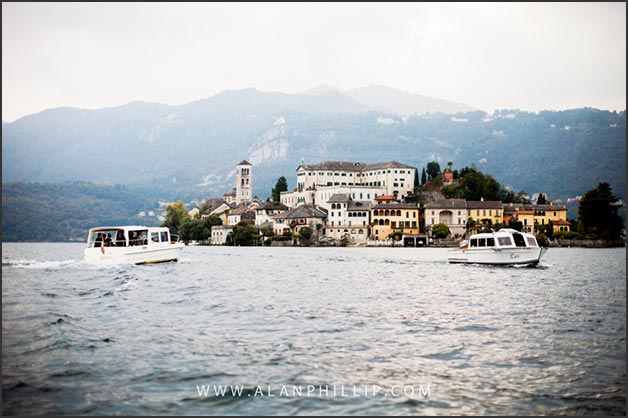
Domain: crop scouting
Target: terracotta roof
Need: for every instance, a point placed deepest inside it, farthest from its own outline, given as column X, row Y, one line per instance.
column 561, row 222
column 395, row 206
column 384, row 198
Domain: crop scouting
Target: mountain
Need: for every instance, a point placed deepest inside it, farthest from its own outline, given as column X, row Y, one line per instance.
column 321, row 89
column 386, row 99
column 192, row 149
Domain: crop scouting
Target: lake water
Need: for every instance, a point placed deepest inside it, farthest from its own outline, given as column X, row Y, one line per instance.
column 312, row 331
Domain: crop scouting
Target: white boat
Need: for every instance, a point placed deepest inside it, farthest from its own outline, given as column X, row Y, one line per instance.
column 506, row 246
column 131, row 244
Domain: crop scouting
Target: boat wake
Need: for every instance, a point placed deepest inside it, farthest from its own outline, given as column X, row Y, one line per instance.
column 35, row 264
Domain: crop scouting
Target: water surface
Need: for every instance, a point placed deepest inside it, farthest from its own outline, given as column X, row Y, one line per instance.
column 458, row 339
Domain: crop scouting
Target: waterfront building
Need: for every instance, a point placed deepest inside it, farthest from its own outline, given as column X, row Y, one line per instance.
column 451, row 212
column 484, row 213
column 241, row 213
column 221, row 234
column 533, row 215
column 393, row 178
column 347, row 219
column 297, row 218
column 266, row 210
column 389, row 216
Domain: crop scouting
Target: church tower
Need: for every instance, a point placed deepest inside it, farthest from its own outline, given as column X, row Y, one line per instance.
column 244, row 182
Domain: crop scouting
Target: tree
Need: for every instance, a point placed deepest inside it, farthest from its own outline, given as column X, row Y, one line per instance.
column 541, row 199
column 176, row 214
column 267, row 231
column 305, row 233
column 597, row 213
column 516, row 225
column 280, row 186
column 440, row 230
column 395, row 235
column 245, row 234
column 416, row 181
column 433, row 169
column 475, row 185
column 423, row 177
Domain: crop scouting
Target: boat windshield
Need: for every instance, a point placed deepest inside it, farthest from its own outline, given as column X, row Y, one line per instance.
column 519, row 240
column 107, row 238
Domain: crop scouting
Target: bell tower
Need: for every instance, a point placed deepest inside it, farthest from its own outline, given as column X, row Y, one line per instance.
column 244, row 182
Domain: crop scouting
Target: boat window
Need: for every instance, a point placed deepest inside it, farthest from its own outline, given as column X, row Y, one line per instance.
column 490, row 242
column 138, row 237
column 519, row 241
column 106, row 238
column 482, row 242
column 154, row 236
column 531, row 241
column 504, row 241
column 164, row 236
column 474, row 242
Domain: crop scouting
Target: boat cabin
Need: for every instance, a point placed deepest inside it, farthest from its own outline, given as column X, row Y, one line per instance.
column 502, row 238
column 128, row 236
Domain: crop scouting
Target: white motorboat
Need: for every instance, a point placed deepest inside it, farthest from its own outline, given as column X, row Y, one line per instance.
column 131, row 244
column 506, row 246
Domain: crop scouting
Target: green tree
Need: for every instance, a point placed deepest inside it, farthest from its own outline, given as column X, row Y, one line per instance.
column 475, row 185
column 416, row 181
column 280, row 186
column 396, row 235
column 267, row 231
column 597, row 212
column 423, row 177
column 516, row 225
column 176, row 214
column 440, row 231
column 433, row 169
column 245, row 234
column 306, row 233
column 541, row 199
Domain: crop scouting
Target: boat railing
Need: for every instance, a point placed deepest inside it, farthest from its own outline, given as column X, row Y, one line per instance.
column 174, row 238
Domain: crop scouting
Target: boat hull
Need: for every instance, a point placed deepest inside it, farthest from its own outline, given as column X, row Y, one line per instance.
column 496, row 256
column 146, row 254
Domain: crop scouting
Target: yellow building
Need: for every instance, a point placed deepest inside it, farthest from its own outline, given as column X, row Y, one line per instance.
column 390, row 216
column 484, row 213
column 531, row 215
column 561, row 226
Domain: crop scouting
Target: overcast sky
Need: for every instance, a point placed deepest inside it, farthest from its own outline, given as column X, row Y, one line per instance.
column 490, row 56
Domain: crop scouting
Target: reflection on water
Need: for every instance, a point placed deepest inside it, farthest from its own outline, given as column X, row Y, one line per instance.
column 355, row 330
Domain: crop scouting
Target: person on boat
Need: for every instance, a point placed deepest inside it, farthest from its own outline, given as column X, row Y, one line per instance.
column 119, row 242
column 108, row 241
column 98, row 242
